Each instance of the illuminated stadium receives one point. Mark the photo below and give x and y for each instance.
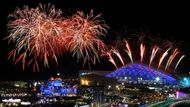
(144, 64)
(141, 74)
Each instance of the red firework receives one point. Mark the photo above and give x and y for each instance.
(43, 34)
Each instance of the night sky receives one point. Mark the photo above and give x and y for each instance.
(168, 20)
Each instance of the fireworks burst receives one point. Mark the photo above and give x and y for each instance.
(34, 31)
(43, 34)
(84, 42)
(153, 55)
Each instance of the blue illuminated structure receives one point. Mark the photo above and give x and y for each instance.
(57, 88)
(138, 73)
(184, 82)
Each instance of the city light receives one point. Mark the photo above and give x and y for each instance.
(82, 82)
(117, 86)
(109, 86)
(86, 82)
(177, 94)
(157, 79)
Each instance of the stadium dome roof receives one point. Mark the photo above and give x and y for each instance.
(136, 72)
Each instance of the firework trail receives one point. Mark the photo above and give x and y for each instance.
(142, 50)
(154, 51)
(116, 52)
(153, 55)
(171, 58)
(129, 51)
(179, 61)
(162, 57)
(111, 59)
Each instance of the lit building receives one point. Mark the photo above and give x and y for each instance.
(92, 86)
(56, 87)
